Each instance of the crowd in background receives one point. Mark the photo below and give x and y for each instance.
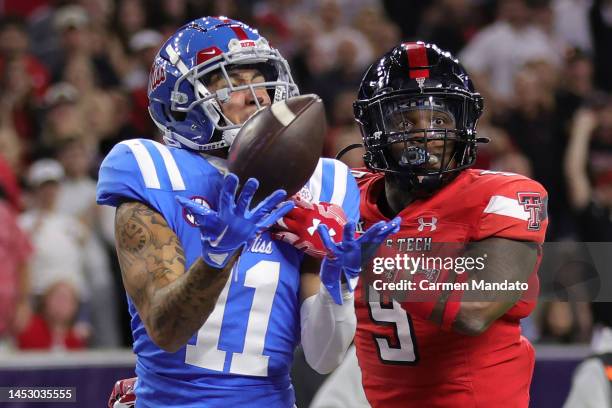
(73, 80)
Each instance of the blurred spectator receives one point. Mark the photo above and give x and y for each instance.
(287, 12)
(168, 15)
(600, 17)
(575, 87)
(333, 37)
(449, 24)
(307, 61)
(14, 46)
(9, 184)
(76, 39)
(529, 119)
(543, 17)
(114, 120)
(345, 74)
(130, 18)
(11, 146)
(19, 104)
(530, 122)
(21, 8)
(144, 46)
(76, 158)
(406, 14)
(592, 378)
(15, 250)
(383, 33)
(571, 23)
(100, 11)
(588, 169)
(63, 117)
(343, 131)
(557, 322)
(23, 81)
(277, 31)
(499, 154)
(53, 327)
(57, 238)
(496, 53)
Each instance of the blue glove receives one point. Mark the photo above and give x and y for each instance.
(347, 256)
(226, 230)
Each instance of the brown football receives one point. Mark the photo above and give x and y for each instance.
(280, 145)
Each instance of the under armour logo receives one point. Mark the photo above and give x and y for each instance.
(423, 223)
(315, 224)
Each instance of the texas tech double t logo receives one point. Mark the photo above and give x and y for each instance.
(532, 203)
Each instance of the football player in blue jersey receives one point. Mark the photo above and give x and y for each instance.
(218, 306)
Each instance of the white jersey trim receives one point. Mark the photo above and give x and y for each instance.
(340, 175)
(316, 182)
(173, 171)
(145, 163)
(508, 207)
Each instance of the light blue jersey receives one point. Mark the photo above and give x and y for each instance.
(242, 355)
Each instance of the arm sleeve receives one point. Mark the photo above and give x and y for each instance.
(327, 329)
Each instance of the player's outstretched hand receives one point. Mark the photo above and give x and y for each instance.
(299, 226)
(347, 257)
(233, 224)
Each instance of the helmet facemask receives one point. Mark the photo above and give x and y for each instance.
(423, 138)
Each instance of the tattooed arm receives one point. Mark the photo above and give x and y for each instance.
(172, 303)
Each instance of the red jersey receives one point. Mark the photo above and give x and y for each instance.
(410, 362)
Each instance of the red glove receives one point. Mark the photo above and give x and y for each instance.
(122, 395)
(299, 226)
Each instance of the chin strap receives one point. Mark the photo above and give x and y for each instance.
(347, 149)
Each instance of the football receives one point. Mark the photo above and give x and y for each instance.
(280, 145)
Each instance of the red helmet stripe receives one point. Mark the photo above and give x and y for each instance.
(417, 58)
(240, 33)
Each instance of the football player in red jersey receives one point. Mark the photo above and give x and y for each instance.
(417, 109)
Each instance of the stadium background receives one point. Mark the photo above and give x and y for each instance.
(73, 78)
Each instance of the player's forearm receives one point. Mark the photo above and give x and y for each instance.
(507, 260)
(178, 310)
(327, 329)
